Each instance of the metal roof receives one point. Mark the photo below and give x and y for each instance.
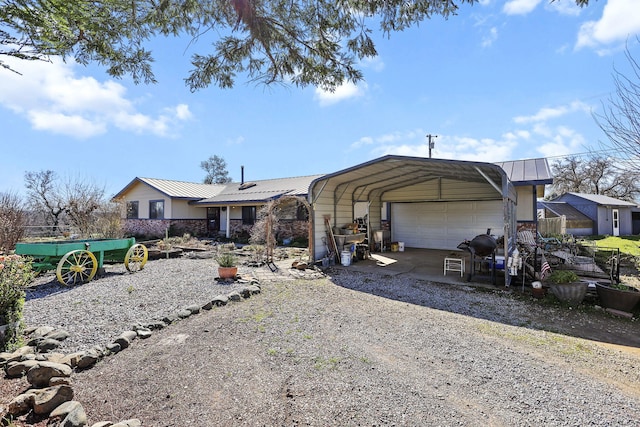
(528, 172)
(603, 200)
(262, 191)
(392, 172)
(563, 208)
(176, 189)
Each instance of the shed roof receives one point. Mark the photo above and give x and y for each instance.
(175, 189)
(563, 208)
(603, 200)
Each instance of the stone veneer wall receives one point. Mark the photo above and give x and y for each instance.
(157, 228)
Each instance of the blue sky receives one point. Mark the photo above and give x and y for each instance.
(502, 80)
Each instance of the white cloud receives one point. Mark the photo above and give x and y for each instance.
(54, 99)
(520, 7)
(564, 7)
(235, 141)
(544, 134)
(619, 21)
(548, 113)
(345, 91)
(376, 63)
(490, 37)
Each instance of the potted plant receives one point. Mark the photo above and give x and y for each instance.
(227, 265)
(567, 287)
(618, 296)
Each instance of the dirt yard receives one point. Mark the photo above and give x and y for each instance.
(362, 349)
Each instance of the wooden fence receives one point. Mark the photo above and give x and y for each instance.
(551, 226)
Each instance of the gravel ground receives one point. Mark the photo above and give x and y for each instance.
(349, 349)
(99, 311)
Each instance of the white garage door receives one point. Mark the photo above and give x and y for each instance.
(443, 225)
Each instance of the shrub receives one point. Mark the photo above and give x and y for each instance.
(12, 221)
(15, 274)
(226, 259)
(560, 277)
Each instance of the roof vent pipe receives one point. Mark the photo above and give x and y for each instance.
(241, 175)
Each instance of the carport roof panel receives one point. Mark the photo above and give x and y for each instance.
(390, 170)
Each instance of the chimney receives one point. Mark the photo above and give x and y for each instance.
(241, 175)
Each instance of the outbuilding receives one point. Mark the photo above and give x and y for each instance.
(424, 202)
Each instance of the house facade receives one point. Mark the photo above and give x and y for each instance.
(155, 207)
(425, 203)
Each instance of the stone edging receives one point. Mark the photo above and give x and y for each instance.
(51, 394)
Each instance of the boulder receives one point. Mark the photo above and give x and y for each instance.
(234, 296)
(47, 344)
(18, 369)
(57, 334)
(220, 300)
(125, 339)
(40, 374)
(70, 413)
(194, 309)
(21, 404)
(47, 399)
(134, 422)
(183, 313)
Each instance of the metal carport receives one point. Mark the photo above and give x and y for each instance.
(402, 179)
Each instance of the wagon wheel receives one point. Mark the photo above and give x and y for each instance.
(77, 266)
(136, 257)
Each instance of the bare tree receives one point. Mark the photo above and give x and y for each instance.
(76, 202)
(82, 200)
(43, 197)
(621, 118)
(594, 175)
(12, 221)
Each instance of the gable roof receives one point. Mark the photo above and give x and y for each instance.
(528, 171)
(175, 189)
(603, 200)
(262, 191)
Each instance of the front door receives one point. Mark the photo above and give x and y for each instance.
(213, 221)
(615, 215)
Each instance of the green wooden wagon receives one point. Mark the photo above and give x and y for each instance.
(77, 261)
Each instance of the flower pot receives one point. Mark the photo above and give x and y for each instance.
(571, 293)
(617, 299)
(538, 293)
(227, 272)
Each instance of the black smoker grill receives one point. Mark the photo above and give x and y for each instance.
(482, 246)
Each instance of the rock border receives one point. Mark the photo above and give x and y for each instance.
(49, 373)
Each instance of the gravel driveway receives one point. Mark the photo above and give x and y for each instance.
(352, 349)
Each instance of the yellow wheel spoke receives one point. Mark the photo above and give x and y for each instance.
(76, 267)
(136, 257)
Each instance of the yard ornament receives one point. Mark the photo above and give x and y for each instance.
(514, 263)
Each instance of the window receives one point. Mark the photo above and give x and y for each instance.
(248, 215)
(132, 210)
(156, 209)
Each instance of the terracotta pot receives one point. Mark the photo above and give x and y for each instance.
(538, 293)
(227, 272)
(617, 299)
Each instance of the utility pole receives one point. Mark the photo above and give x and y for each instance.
(431, 143)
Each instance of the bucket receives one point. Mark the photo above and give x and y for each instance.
(394, 246)
(346, 258)
(401, 246)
